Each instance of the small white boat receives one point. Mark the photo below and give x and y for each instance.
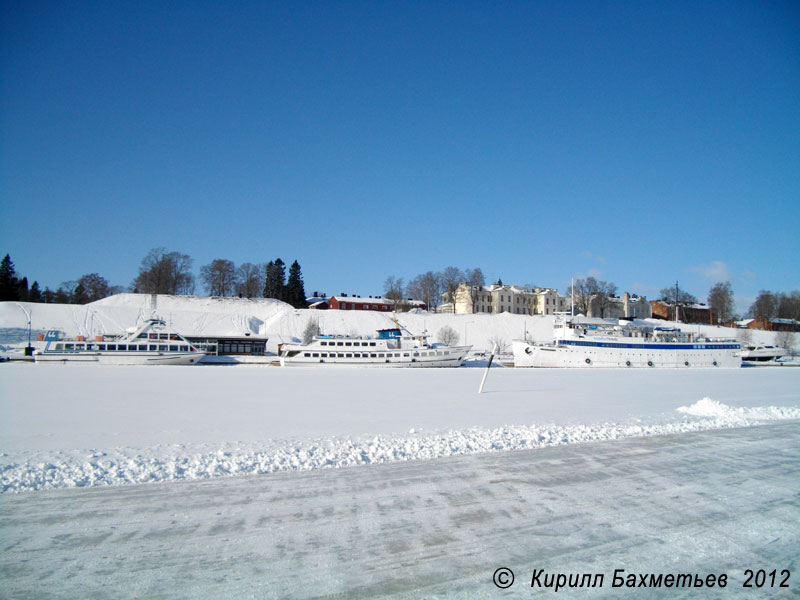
(601, 343)
(152, 343)
(762, 353)
(390, 349)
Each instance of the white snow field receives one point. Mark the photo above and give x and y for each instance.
(221, 482)
(252, 481)
(87, 425)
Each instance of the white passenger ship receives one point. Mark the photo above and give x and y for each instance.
(600, 343)
(152, 343)
(390, 349)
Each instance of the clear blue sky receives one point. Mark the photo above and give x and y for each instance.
(642, 142)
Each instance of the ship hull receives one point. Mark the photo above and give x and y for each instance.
(680, 356)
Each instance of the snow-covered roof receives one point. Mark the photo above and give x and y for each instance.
(364, 300)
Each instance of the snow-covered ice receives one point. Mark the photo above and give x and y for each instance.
(255, 481)
(85, 425)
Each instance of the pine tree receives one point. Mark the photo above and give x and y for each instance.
(23, 291)
(9, 286)
(35, 294)
(295, 292)
(275, 286)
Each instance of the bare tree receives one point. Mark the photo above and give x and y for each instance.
(475, 277)
(393, 290)
(94, 287)
(449, 280)
(592, 295)
(789, 305)
(677, 294)
(448, 336)
(786, 339)
(219, 276)
(312, 329)
(500, 343)
(426, 288)
(765, 306)
(720, 299)
(163, 272)
(250, 280)
(745, 336)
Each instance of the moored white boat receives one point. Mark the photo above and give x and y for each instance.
(600, 343)
(390, 349)
(152, 343)
(762, 353)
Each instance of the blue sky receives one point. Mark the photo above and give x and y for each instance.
(641, 142)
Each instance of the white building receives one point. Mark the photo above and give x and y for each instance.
(636, 307)
(506, 298)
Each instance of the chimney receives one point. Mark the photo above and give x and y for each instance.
(626, 303)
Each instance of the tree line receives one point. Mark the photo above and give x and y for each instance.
(87, 289)
(431, 287)
(169, 272)
(166, 272)
(777, 305)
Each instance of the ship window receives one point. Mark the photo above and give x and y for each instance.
(101, 347)
(184, 348)
(372, 343)
(406, 354)
(348, 343)
(315, 355)
(340, 343)
(306, 354)
(373, 355)
(349, 355)
(416, 353)
(173, 348)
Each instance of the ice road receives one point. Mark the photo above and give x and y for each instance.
(709, 502)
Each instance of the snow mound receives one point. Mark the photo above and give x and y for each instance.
(29, 471)
(717, 410)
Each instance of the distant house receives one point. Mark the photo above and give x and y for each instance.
(376, 303)
(773, 324)
(687, 312)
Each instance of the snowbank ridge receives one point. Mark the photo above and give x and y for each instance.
(182, 462)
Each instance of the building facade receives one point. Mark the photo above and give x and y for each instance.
(469, 299)
(375, 304)
(627, 307)
(687, 312)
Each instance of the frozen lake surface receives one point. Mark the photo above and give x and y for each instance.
(83, 425)
(648, 471)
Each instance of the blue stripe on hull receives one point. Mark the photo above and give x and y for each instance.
(582, 343)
